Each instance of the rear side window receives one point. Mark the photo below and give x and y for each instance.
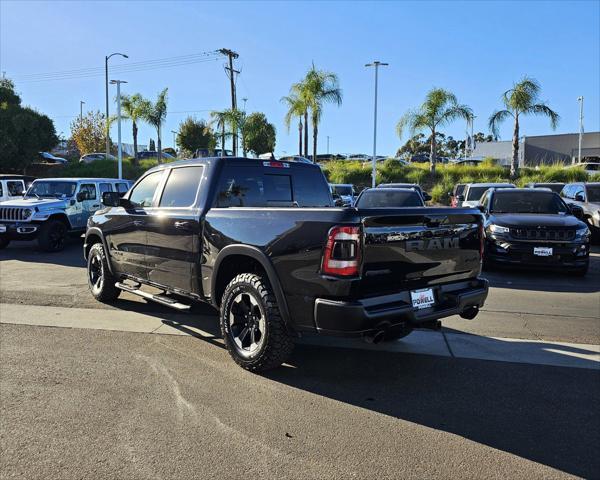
(242, 186)
(122, 187)
(105, 187)
(89, 189)
(143, 193)
(182, 187)
(14, 188)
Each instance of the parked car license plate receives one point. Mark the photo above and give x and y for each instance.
(542, 251)
(2, 228)
(422, 298)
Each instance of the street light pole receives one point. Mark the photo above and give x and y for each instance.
(119, 145)
(81, 102)
(580, 99)
(106, 85)
(174, 133)
(375, 64)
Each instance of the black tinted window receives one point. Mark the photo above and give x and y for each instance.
(382, 198)
(143, 193)
(89, 189)
(528, 202)
(181, 187)
(593, 193)
(250, 186)
(14, 188)
(105, 187)
(122, 187)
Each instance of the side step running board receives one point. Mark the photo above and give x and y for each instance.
(162, 299)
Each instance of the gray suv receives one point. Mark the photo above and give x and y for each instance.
(52, 208)
(587, 196)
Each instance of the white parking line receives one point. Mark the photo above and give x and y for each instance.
(469, 346)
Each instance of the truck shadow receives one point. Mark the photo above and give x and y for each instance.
(545, 414)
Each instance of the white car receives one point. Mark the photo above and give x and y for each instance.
(474, 191)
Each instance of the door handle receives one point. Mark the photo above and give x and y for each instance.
(183, 225)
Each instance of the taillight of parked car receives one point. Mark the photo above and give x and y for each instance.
(341, 257)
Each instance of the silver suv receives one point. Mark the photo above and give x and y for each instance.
(52, 208)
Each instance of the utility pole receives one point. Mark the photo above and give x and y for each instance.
(231, 73)
(81, 103)
(375, 64)
(119, 144)
(580, 99)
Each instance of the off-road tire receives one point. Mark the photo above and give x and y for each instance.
(277, 344)
(104, 290)
(52, 236)
(580, 272)
(4, 242)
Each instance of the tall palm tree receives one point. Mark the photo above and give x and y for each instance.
(317, 88)
(520, 100)
(234, 119)
(439, 108)
(219, 119)
(155, 115)
(296, 108)
(134, 108)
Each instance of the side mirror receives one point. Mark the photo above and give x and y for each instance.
(426, 196)
(577, 211)
(111, 199)
(460, 198)
(481, 208)
(579, 198)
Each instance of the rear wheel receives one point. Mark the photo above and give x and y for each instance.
(254, 332)
(4, 241)
(100, 280)
(52, 236)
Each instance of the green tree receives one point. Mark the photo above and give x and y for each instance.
(219, 119)
(317, 88)
(259, 135)
(155, 115)
(521, 100)
(194, 134)
(440, 108)
(135, 108)
(228, 118)
(23, 131)
(296, 107)
(88, 132)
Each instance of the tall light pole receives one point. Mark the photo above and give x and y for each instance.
(174, 134)
(375, 64)
(106, 85)
(580, 100)
(119, 145)
(81, 103)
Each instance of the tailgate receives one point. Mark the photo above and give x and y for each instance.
(418, 247)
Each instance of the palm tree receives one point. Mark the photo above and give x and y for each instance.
(135, 108)
(439, 108)
(155, 115)
(296, 108)
(219, 119)
(522, 99)
(317, 88)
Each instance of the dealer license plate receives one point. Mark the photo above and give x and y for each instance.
(2, 228)
(422, 298)
(542, 251)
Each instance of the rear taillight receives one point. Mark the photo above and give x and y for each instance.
(341, 257)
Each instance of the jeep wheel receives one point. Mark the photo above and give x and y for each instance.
(4, 241)
(100, 280)
(254, 332)
(52, 236)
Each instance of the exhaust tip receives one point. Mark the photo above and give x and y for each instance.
(469, 313)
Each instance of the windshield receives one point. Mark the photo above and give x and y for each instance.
(377, 198)
(51, 189)
(342, 189)
(593, 193)
(528, 202)
(475, 193)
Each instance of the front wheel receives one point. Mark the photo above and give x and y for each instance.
(254, 332)
(52, 236)
(100, 280)
(4, 241)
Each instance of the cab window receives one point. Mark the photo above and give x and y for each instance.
(181, 187)
(89, 190)
(143, 193)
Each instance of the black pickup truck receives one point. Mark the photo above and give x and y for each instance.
(263, 242)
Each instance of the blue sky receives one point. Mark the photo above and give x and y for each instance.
(475, 49)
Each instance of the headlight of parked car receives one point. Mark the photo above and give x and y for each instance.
(582, 232)
(27, 213)
(498, 229)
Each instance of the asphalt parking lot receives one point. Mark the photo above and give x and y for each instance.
(114, 397)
